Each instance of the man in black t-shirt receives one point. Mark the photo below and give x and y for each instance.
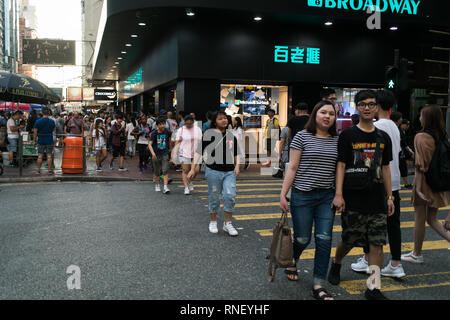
(363, 191)
(298, 121)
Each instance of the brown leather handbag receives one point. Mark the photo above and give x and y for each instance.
(281, 249)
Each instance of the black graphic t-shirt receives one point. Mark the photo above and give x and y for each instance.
(356, 149)
(160, 142)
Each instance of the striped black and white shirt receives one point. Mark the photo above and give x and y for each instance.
(317, 168)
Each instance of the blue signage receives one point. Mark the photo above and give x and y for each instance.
(299, 55)
(394, 6)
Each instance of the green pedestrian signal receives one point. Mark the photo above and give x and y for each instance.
(391, 78)
(391, 84)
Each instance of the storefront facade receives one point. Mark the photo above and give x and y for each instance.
(222, 58)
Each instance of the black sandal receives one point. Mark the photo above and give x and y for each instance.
(291, 273)
(316, 294)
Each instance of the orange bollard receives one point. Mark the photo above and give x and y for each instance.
(72, 161)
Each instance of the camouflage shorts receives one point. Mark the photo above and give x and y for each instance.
(362, 229)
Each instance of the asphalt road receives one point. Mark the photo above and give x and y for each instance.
(132, 243)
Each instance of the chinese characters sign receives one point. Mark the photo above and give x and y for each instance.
(286, 54)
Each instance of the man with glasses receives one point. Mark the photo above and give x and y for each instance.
(364, 192)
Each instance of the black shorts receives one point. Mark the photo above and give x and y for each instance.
(403, 168)
(118, 150)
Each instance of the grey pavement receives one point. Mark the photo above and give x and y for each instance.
(129, 243)
(132, 243)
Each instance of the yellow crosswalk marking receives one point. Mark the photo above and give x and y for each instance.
(406, 247)
(276, 195)
(240, 184)
(337, 228)
(429, 280)
(239, 190)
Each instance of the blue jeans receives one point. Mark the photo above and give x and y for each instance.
(220, 182)
(306, 208)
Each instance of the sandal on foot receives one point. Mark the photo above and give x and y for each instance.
(316, 294)
(291, 273)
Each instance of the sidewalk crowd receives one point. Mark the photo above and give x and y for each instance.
(357, 173)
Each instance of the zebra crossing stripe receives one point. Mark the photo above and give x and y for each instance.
(336, 228)
(308, 254)
(416, 281)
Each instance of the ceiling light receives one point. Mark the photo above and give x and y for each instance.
(123, 52)
(328, 23)
(128, 45)
(134, 35)
(394, 28)
(119, 58)
(117, 62)
(257, 18)
(190, 13)
(142, 24)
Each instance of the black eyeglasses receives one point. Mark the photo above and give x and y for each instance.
(363, 105)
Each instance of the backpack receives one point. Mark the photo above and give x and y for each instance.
(281, 249)
(438, 174)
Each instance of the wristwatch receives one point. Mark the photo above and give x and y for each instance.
(391, 198)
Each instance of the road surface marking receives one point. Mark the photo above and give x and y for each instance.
(337, 228)
(406, 247)
(428, 280)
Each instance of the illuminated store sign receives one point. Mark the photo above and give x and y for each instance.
(394, 6)
(284, 54)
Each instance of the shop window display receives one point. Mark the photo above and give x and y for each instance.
(251, 101)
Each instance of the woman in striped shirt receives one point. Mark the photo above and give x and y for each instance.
(312, 174)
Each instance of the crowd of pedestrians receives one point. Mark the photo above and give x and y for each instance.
(357, 173)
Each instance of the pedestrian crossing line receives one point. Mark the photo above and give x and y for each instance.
(277, 195)
(417, 281)
(239, 190)
(277, 204)
(264, 216)
(308, 254)
(337, 228)
(238, 184)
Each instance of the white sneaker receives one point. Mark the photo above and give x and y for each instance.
(157, 188)
(213, 227)
(191, 186)
(166, 189)
(361, 265)
(228, 227)
(410, 257)
(394, 272)
(186, 191)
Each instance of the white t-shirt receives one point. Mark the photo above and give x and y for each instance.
(101, 138)
(391, 129)
(12, 135)
(129, 129)
(190, 139)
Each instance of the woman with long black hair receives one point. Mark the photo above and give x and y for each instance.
(220, 148)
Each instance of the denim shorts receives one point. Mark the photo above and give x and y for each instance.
(12, 147)
(45, 149)
(221, 183)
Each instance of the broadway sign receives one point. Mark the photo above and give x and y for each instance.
(395, 6)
